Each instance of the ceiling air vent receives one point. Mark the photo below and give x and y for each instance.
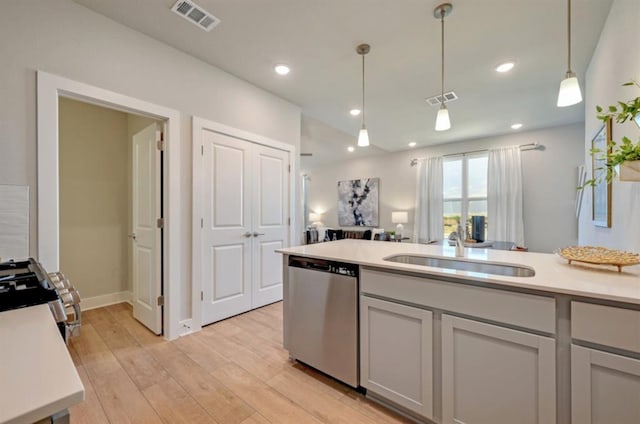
(195, 14)
(436, 100)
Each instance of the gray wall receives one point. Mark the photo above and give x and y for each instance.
(550, 180)
(64, 38)
(615, 61)
(94, 200)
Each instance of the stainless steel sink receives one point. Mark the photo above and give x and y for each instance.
(464, 265)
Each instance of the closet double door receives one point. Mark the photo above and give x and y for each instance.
(245, 219)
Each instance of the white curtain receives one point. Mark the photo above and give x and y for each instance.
(504, 195)
(429, 223)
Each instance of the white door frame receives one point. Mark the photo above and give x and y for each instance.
(49, 88)
(197, 125)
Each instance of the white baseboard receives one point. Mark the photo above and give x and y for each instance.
(105, 300)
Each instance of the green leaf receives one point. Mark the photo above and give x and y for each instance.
(599, 109)
(628, 83)
(613, 109)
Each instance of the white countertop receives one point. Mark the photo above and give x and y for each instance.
(553, 273)
(37, 375)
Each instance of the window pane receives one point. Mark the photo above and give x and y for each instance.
(452, 212)
(477, 177)
(452, 178)
(478, 207)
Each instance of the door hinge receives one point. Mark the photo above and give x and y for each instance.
(160, 300)
(201, 296)
(202, 150)
(289, 168)
(201, 222)
(160, 223)
(288, 221)
(160, 141)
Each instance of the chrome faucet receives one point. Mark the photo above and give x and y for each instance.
(460, 237)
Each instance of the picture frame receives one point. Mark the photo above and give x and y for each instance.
(358, 202)
(582, 177)
(601, 191)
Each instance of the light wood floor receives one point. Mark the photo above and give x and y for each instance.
(234, 371)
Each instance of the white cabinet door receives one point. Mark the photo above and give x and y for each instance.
(495, 375)
(605, 388)
(396, 353)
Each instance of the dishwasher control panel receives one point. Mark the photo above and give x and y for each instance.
(343, 270)
(322, 265)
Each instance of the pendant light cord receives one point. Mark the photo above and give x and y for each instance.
(442, 57)
(569, 35)
(363, 91)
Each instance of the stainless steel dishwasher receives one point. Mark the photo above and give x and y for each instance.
(321, 316)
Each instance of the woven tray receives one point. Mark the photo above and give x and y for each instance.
(599, 256)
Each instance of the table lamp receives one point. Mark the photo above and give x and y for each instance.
(399, 218)
(314, 218)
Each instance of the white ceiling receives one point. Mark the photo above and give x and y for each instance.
(317, 38)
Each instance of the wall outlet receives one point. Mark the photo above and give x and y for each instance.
(186, 327)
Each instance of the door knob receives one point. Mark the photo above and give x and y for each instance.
(257, 234)
(247, 234)
(132, 236)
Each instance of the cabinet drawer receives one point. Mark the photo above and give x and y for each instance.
(606, 325)
(523, 310)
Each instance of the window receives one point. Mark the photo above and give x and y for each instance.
(464, 190)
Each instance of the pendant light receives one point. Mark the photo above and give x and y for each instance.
(442, 120)
(569, 87)
(363, 136)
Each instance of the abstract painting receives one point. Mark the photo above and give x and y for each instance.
(358, 202)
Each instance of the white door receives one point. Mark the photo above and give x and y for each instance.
(227, 232)
(245, 218)
(270, 227)
(146, 236)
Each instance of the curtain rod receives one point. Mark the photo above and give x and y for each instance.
(524, 147)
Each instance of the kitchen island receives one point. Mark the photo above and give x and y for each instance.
(454, 346)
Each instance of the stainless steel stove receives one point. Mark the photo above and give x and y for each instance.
(26, 283)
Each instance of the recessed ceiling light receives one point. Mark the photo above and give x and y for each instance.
(516, 126)
(412, 144)
(282, 69)
(505, 67)
(350, 148)
(354, 112)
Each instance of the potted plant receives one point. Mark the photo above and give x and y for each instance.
(625, 154)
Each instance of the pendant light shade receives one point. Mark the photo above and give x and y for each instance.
(569, 93)
(442, 120)
(363, 136)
